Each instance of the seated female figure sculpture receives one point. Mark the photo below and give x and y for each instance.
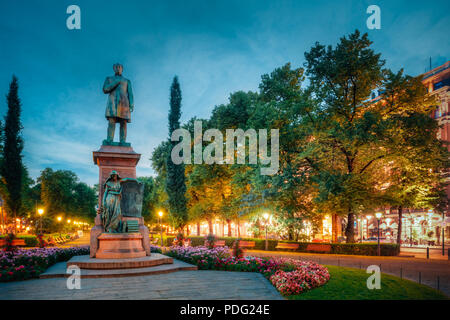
(111, 213)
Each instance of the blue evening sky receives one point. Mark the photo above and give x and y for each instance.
(215, 47)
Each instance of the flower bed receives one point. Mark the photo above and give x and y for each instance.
(155, 249)
(289, 276)
(30, 263)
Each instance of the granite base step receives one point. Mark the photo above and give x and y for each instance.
(59, 271)
(85, 262)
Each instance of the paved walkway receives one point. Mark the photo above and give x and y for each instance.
(424, 271)
(82, 241)
(417, 252)
(189, 285)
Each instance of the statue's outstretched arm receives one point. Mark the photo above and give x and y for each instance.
(110, 84)
(130, 96)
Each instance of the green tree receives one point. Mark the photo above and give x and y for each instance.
(11, 166)
(150, 198)
(63, 194)
(417, 157)
(345, 130)
(284, 105)
(175, 183)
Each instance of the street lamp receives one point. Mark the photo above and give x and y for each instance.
(40, 212)
(266, 218)
(160, 214)
(59, 227)
(443, 233)
(3, 219)
(378, 216)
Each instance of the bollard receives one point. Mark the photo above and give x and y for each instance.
(420, 277)
(401, 273)
(339, 263)
(428, 253)
(448, 254)
(438, 283)
(360, 265)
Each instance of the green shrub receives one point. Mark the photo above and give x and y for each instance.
(366, 249)
(30, 240)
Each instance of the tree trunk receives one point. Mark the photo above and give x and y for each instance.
(187, 230)
(229, 227)
(210, 226)
(350, 229)
(15, 223)
(438, 236)
(238, 229)
(290, 234)
(399, 228)
(334, 231)
(198, 228)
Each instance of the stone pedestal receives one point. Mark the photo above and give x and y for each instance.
(97, 233)
(123, 159)
(120, 246)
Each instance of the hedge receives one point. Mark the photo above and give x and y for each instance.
(30, 240)
(366, 249)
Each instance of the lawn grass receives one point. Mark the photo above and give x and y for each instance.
(350, 284)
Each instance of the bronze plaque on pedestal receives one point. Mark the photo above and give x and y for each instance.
(132, 196)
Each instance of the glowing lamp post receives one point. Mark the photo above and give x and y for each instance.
(160, 214)
(59, 227)
(40, 212)
(378, 216)
(266, 218)
(3, 219)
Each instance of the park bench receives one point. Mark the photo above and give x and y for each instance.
(287, 246)
(220, 243)
(15, 242)
(51, 241)
(246, 244)
(316, 247)
(59, 240)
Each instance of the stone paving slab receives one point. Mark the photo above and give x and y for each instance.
(188, 285)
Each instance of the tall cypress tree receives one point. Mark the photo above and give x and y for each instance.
(12, 168)
(175, 183)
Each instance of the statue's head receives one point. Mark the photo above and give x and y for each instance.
(118, 68)
(114, 176)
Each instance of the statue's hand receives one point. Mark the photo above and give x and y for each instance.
(131, 108)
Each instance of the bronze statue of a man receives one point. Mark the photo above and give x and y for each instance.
(120, 104)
